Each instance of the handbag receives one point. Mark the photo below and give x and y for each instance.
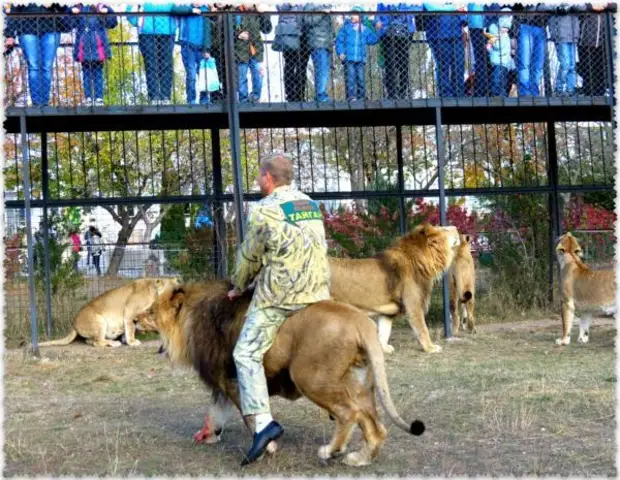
(208, 79)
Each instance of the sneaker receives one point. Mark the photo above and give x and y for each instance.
(88, 102)
(273, 431)
(99, 102)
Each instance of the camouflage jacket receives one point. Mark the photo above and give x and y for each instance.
(285, 245)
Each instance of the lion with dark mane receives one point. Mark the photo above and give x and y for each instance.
(328, 352)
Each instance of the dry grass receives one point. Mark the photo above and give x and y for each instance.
(503, 402)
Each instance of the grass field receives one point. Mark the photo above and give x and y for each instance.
(503, 402)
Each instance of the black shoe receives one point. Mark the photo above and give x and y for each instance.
(273, 431)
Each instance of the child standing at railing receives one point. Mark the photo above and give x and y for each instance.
(92, 47)
(500, 54)
(351, 42)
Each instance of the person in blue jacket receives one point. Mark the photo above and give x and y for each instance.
(156, 43)
(444, 36)
(351, 42)
(91, 47)
(196, 41)
(396, 31)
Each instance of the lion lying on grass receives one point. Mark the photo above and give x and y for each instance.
(590, 291)
(112, 314)
(328, 352)
(399, 280)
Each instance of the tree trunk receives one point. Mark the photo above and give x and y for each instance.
(119, 250)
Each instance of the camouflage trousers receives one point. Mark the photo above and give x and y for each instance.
(256, 337)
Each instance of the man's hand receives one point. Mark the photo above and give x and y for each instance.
(244, 36)
(75, 10)
(234, 293)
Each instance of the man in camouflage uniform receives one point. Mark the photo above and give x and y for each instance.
(286, 251)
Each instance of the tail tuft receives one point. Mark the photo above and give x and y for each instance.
(467, 296)
(417, 428)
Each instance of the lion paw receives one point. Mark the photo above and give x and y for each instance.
(356, 459)
(115, 343)
(325, 452)
(135, 343)
(562, 341)
(434, 349)
(388, 349)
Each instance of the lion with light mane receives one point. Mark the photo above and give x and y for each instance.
(463, 286)
(398, 280)
(588, 291)
(328, 352)
(115, 313)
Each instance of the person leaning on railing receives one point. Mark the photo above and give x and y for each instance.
(444, 36)
(592, 63)
(293, 44)
(156, 43)
(196, 41)
(249, 50)
(564, 31)
(353, 37)
(91, 47)
(500, 54)
(396, 32)
(39, 38)
(319, 29)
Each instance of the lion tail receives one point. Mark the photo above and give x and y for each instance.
(370, 343)
(63, 341)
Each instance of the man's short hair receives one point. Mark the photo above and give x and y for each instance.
(280, 167)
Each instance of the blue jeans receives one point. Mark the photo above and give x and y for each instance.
(499, 80)
(191, 57)
(320, 61)
(567, 70)
(257, 81)
(530, 58)
(40, 52)
(354, 72)
(92, 76)
(157, 51)
(449, 57)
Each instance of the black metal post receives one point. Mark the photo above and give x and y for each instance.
(401, 179)
(219, 230)
(46, 237)
(610, 58)
(441, 162)
(233, 125)
(555, 222)
(29, 241)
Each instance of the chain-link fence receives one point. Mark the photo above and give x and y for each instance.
(95, 56)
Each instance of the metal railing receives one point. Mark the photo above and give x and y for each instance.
(127, 59)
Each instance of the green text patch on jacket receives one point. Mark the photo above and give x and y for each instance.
(300, 210)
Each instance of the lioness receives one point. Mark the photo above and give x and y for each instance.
(110, 315)
(399, 280)
(463, 286)
(590, 291)
(328, 352)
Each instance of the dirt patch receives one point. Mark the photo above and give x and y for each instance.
(498, 403)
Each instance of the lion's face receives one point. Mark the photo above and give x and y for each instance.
(447, 237)
(161, 284)
(165, 312)
(567, 249)
(146, 321)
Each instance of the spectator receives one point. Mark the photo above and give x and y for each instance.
(87, 240)
(76, 248)
(444, 36)
(156, 43)
(92, 47)
(39, 38)
(218, 46)
(500, 54)
(196, 42)
(249, 50)
(564, 31)
(319, 29)
(475, 26)
(293, 44)
(592, 50)
(531, 41)
(396, 31)
(351, 43)
(97, 247)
